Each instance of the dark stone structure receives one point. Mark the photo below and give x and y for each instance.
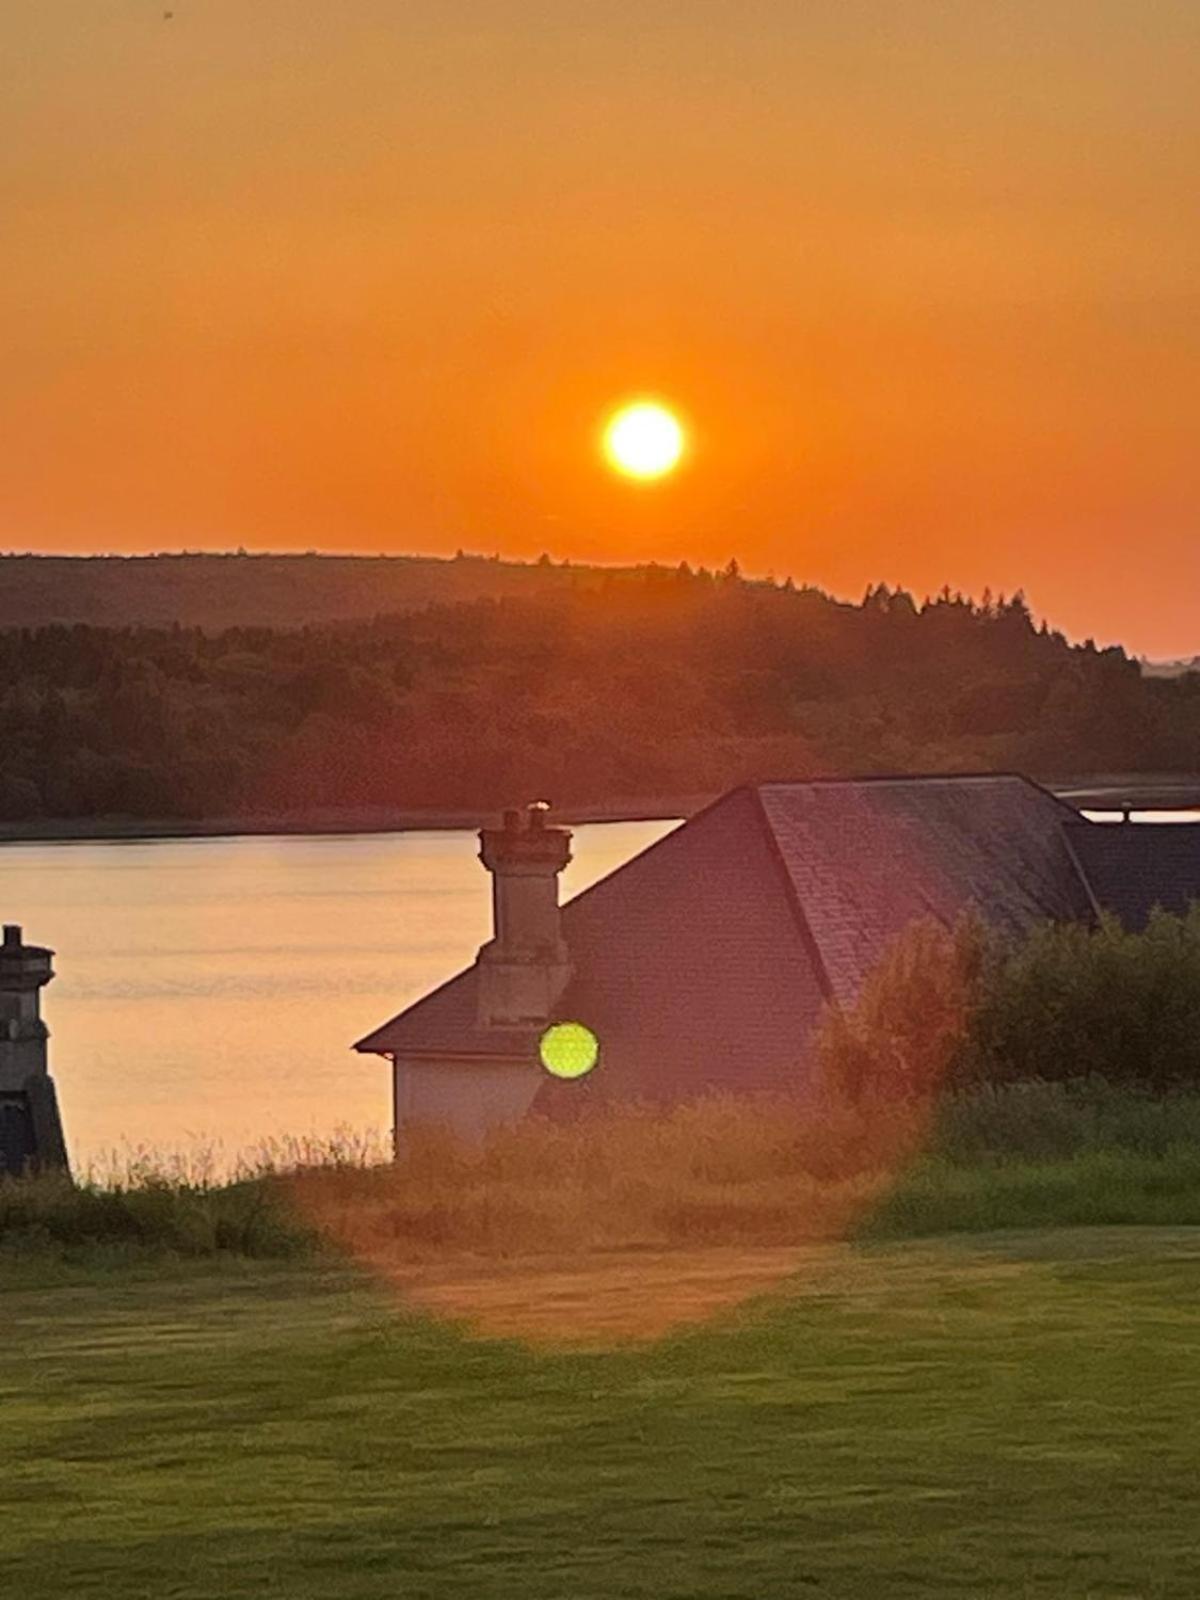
(31, 1135)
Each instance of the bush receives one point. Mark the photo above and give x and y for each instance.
(1071, 1001)
(152, 1214)
(909, 1026)
(968, 1007)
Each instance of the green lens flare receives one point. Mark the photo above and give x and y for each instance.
(569, 1050)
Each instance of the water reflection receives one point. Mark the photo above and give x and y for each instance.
(1144, 816)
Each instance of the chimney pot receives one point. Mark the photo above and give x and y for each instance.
(12, 936)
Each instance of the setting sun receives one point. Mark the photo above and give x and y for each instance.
(643, 440)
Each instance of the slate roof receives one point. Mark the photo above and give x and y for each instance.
(865, 858)
(705, 961)
(1134, 866)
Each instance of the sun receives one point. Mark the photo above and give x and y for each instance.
(644, 440)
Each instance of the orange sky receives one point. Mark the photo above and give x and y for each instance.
(365, 275)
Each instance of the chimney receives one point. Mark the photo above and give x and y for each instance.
(524, 967)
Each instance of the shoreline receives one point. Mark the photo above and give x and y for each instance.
(1098, 792)
(100, 830)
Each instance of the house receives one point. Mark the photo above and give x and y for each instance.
(705, 962)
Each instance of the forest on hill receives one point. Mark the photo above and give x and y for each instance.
(659, 682)
(238, 589)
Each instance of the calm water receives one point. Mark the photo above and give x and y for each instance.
(208, 990)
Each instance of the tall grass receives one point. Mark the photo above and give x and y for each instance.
(718, 1172)
(1095, 1188)
(1039, 1121)
(135, 1202)
(49, 1215)
(1077, 1153)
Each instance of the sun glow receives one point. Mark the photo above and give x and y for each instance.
(644, 440)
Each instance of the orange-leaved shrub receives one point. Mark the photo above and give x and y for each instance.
(909, 1026)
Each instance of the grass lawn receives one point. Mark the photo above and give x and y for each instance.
(1009, 1415)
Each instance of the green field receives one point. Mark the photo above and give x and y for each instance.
(1002, 1415)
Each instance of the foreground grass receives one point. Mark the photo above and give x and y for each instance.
(974, 1418)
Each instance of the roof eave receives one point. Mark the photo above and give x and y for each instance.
(520, 1055)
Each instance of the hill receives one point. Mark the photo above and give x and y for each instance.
(274, 591)
(603, 686)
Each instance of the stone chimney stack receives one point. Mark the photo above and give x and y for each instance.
(524, 967)
(31, 1133)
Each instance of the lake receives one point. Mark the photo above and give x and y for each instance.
(209, 990)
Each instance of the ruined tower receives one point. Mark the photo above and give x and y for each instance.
(31, 1135)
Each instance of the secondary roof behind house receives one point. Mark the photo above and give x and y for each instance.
(1134, 866)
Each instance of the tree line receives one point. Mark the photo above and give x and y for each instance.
(653, 683)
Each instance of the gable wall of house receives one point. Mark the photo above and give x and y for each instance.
(467, 1096)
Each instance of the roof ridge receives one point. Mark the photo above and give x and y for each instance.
(912, 779)
(657, 844)
(831, 780)
(1064, 828)
(795, 905)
